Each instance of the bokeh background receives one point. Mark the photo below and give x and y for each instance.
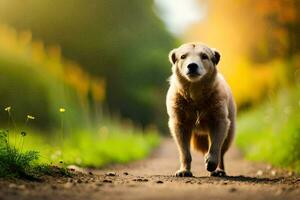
(105, 63)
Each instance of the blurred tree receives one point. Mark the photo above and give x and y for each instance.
(258, 41)
(280, 35)
(37, 80)
(121, 40)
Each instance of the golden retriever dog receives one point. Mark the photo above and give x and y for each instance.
(200, 106)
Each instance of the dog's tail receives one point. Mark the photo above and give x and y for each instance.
(200, 142)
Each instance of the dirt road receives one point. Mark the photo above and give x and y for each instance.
(153, 179)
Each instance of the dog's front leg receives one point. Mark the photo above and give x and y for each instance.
(218, 129)
(182, 135)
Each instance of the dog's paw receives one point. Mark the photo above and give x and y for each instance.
(183, 173)
(211, 163)
(218, 173)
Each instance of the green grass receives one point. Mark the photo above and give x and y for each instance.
(271, 132)
(36, 153)
(14, 162)
(94, 148)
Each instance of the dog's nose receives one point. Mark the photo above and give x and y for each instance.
(192, 67)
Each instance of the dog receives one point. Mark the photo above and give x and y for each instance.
(200, 107)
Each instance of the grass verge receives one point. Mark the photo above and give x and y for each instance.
(40, 153)
(94, 148)
(271, 132)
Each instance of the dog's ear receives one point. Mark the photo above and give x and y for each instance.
(216, 57)
(172, 56)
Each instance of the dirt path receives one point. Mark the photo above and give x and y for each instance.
(153, 179)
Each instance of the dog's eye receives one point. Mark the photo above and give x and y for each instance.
(203, 56)
(183, 56)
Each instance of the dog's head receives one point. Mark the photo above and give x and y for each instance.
(193, 61)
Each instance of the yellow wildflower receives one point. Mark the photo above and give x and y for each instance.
(7, 109)
(30, 117)
(62, 110)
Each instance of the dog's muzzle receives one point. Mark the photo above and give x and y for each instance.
(193, 69)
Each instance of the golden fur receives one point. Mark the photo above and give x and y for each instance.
(201, 108)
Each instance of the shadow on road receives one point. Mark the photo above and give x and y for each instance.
(250, 179)
(240, 178)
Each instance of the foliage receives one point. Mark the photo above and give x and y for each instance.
(37, 76)
(121, 41)
(271, 132)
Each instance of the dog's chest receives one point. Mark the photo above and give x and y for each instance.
(200, 110)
